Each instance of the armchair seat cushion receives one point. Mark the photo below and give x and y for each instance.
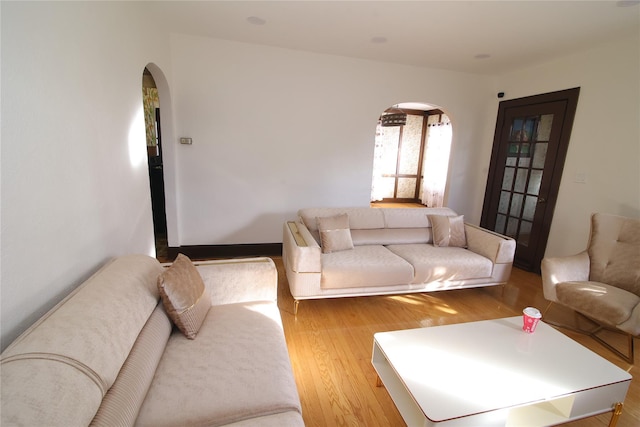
(604, 303)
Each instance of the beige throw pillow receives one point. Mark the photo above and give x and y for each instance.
(448, 230)
(335, 234)
(184, 295)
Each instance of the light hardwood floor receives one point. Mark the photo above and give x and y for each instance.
(330, 343)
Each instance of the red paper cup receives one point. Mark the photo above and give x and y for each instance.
(530, 318)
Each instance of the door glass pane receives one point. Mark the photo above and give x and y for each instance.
(410, 152)
(511, 161)
(507, 181)
(516, 205)
(544, 127)
(514, 149)
(528, 128)
(503, 207)
(516, 130)
(521, 180)
(406, 188)
(534, 182)
(529, 208)
(523, 162)
(512, 227)
(500, 223)
(540, 155)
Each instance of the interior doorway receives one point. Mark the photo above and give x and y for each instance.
(151, 103)
(529, 148)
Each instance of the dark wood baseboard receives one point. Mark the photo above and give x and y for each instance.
(196, 252)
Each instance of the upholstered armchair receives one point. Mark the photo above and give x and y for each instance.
(601, 283)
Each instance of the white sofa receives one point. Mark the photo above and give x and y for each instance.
(108, 355)
(393, 253)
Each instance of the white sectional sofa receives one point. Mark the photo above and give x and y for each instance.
(392, 252)
(108, 354)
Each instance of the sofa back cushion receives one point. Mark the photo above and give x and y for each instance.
(379, 226)
(412, 217)
(78, 347)
(391, 236)
(359, 218)
(614, 251)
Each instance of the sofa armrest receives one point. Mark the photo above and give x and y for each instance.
(498, 248)
(301, 252)
(240, 280)
(554, 270)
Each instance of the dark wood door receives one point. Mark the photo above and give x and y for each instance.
(529, 148)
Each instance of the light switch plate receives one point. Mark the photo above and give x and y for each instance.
(187, 141)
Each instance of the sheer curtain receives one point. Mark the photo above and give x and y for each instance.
(376, 180)
(436, 161)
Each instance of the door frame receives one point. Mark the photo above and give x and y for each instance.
(570, 96)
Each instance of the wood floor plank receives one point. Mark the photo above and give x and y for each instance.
(330, 343)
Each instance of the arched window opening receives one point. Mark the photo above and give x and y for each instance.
(411, 160)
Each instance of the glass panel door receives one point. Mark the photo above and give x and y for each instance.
(530, 145)
(524, 162)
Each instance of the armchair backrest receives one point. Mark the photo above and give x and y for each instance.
(614, 251)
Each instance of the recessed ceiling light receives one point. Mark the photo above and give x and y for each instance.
(255, 20)
(482, 56)
(627, 3)
(379, 40)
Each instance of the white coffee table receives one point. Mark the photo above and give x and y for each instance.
(492, 373)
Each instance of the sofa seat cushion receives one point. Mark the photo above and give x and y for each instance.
(237, 368)
(433, 263)
(604, 303)
(369, 265)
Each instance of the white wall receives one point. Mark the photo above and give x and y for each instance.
(605, 141)
(277, 130)
(75, 188)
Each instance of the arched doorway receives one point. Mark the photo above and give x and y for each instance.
(151, 104)
(411, 155)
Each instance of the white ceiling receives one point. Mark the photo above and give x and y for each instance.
(487, 37)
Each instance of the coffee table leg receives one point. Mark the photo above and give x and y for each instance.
(617, 411)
